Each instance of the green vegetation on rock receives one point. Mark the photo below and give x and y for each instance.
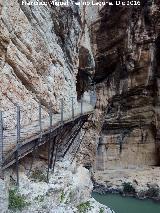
(84, 207)
(38, 175)
(62, 197)
(101, 210)
(128, 188)
(16, 201)
(153, 192)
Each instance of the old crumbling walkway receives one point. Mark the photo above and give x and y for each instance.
(18, 142)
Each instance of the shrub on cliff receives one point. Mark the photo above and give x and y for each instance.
(128, 188)
(37, 175)
(153, 192)
(101, 210)
(62, 197)
(16, 201)
(84, 207)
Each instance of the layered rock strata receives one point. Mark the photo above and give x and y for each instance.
(126, 50)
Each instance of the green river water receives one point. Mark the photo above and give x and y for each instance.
(127, 204)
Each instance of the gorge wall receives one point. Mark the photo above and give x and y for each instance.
(45, 55)
(126, 50)
(42, 63)
(48, 53)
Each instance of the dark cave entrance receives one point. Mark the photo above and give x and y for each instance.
(84, 76)
(82, 84)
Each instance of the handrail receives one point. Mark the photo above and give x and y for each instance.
(25, 133)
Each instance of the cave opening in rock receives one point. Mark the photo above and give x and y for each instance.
(84, 76)
(82, 82)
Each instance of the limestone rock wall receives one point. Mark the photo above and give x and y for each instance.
(39, 57)
(126, 46)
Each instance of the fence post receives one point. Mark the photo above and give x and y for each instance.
(62, 110)
(90, 97)
(40, 118)
(81, 106)
(18, 142)
(72, 107)
(49, 144)
(1, 134)
(93, 96)
(50, 115)
(40, 121)
(18, 124)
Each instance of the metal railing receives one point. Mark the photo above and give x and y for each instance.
(13, 137)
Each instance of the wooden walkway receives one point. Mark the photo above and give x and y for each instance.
(36, 134)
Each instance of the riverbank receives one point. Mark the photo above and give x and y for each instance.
(138, 182)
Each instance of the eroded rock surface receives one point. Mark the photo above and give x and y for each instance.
(40, 58)
(69, 186)
(126, 50)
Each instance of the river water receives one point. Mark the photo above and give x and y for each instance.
(127, 204)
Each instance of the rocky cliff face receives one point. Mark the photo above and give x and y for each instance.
(41, 57)
(45, 55)
(126, 47)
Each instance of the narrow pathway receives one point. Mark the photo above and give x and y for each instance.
(31, 132)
